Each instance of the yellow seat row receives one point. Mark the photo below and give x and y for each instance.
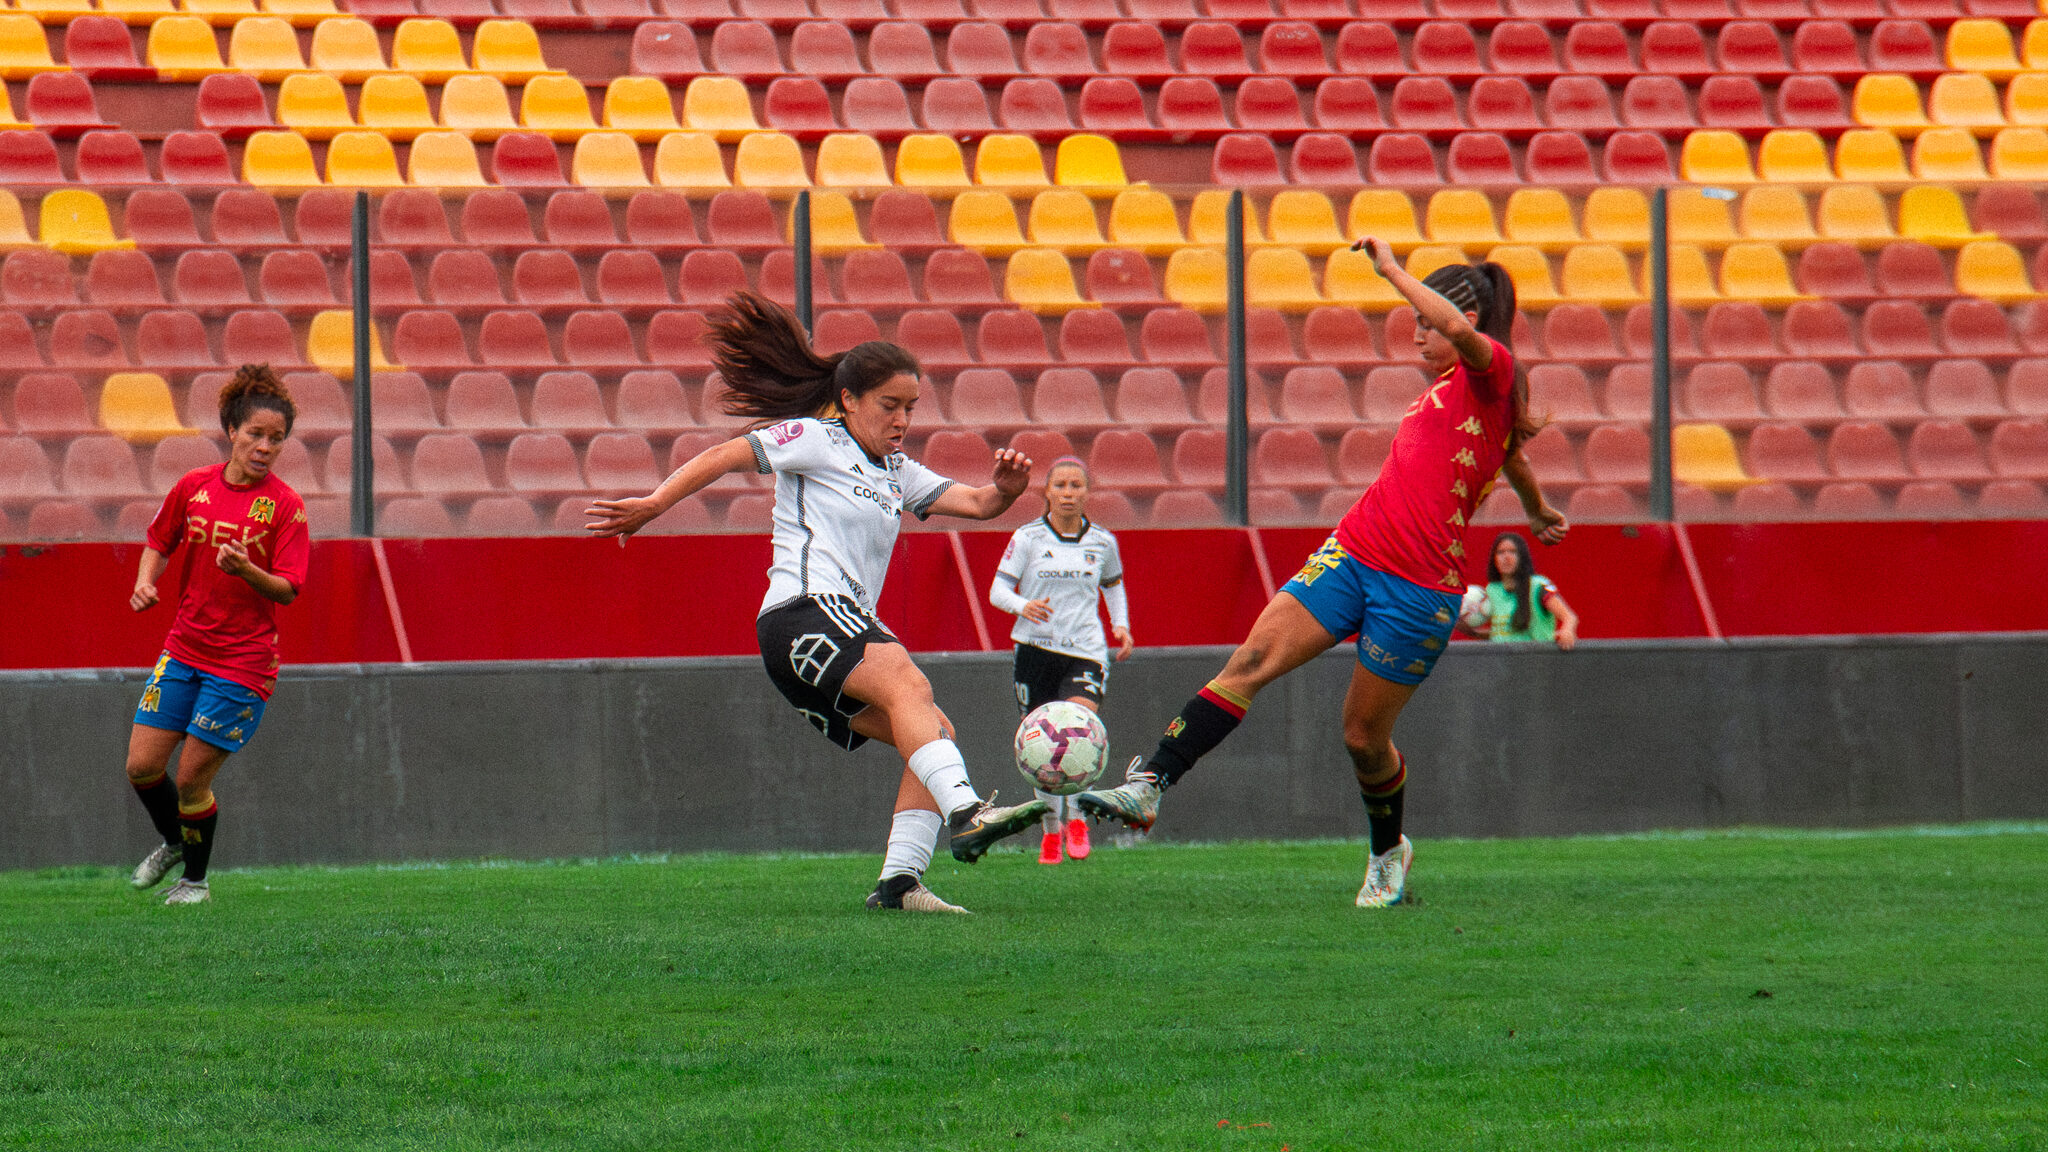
(73, 221)
(185, 48)
(1955, 100)
(1986, 46)
(222, 12)
(395, 104)
(1864, 155)
(769, 161)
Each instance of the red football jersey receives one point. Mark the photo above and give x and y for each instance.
(223, 625)
(1446, 454)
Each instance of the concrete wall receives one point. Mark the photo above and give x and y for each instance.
(538, 760)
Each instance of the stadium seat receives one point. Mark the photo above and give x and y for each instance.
(2019, 449)
(1243, 159)
(1064, 219)
(675, 337)
(1347, 104)
(1962, 389)
(34, 278)
(1945, 450)
(1195, 278)
(688, 160)
(1316, 395)
(607, 160)
(51, 404)
(1865, 450)
(362, 159)
(1579, 332)
(483, 404)
(766, 160)
(1152, 396)
(660, 220)
(1175, 336)
(1041, 280)
(1657, 104)
(1976, 328)
(1947, 154)
(959, 277)
(1112, 104)
(1637, 158)
(1389, 391)
(123, 279)
(347, 49)
(849, 160)
(232, 104)
(183, 49)
(289, 279)
(1720, 390)
(101, 467)
(75, 222)
(464, 278)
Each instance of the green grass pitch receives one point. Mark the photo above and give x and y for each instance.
(1750, 991)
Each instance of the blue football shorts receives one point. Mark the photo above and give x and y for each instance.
(1402, 627)
(181, 698)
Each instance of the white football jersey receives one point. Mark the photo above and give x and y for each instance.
(837, 509)
(1070, 573)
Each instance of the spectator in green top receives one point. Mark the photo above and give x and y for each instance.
(1518, 604)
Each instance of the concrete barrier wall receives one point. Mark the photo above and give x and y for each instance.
(575, 759)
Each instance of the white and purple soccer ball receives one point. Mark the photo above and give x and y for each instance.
(1062, 747)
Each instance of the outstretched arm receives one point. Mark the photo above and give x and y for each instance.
(1013, 472)
(1546, 523)
(1473, 346)
(622, 518)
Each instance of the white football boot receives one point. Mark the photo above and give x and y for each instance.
(1386, 877)
(188, 892)
(151, 871)
(916, 898)
(1135, 802)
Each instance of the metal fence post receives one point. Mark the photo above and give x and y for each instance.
(362, 489)
(802, 228)
(1237, 437)
(1660, 356)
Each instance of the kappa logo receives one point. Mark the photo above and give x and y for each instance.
(201, 497)
(262, 509)
(234, 734)
(810, 655)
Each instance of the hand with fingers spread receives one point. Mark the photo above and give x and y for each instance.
(620, 518)
(1013, 472)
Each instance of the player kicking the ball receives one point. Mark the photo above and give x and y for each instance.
(1392, 572)
(833, 439)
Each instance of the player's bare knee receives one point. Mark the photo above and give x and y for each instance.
(142, 769)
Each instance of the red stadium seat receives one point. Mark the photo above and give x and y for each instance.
(652, 400)
(1559, 158)
(464, 277)
(568, 401)
(1360, 456)
(514, 339)
(1602, 503)
(901, 48)
(497, 218)
(1337, 336)
(1521, 46)
(122, 279)
(957, 104)
(1213, 48)
(1976, 328)
(101, 466)
(51, 403)
(542, 462)
(1480, 158)
(1119, 275)
(743, 218)
(1325, 158)
(1904, 46)
(2010, 210)
(660, 220)
(1291, 47)
(903, 218)
(1910, 268)
(620, 462)
(1784, 452)
(1580, 104)
(1598, 48)
(1198, 457)
(1738, 330)
(798, 104)
(526, 160)
(443, 462)
(1826, 47)
(1424, 104)
(1192, 104)
(2019, 448)
(823, 48)
(482, 403)
(958, 454)
(87, 339)
(1579, 332)
(37, 278)
(1348, 103)
(933, 336)
(1637, 158)
(1562, 392)
(840, 329)
(1069, 396)
(1962, 389)
(1316, 395)
(1093, 336)
(1175, 336)
(1034, 104)
(1113, 104)
(1152, 396)
(1290, 456)
(1135, 49)
(102, 47)
(25, 468)
(1721, 391)
(1735, 103)
(1056, 48)
(1865, 450)
(1267, 337)
(579, 219)
(1446, 48)
(1269, 104)
(429, 339)
(978, 48)
(260, 336)
(744, 48)
(1812, 102)
(1368, 47)
(158, 217)
(676, 337)
(547, 278)
(165, 340)
(1182, 508)
(632, 279)
(400, 404)
(290, 279)
(876, 104)
(1503, 104)
(1618, 454)
(1945, 450)
(1212, 398)
(1897, 328)
(1390, 391)
(710, 275)
(1819, 328)
(599, 339)
(1552, 458)
(959, 276)
(1243, 159)
(1625, 395)
(1123, 458)
(115, 158)
(1012, 337)
(191, 158)
(1657, 104)
(1831, 268)
(413, 217)
(1402, 159)
(1801, 390)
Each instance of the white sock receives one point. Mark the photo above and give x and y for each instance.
(939, 767)
(911, 836)
(1054, 807)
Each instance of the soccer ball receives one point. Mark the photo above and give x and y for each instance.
(1062, 747)
(1475, 613)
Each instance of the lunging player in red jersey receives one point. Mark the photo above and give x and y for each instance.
(248, 554)
(1393, 570)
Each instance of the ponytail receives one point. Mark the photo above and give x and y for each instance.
(771, 372)
(254, 388)
(1486, 288)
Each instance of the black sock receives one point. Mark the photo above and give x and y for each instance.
(160, 800)
(1383, 809)
(197, 830)
(1203, 722)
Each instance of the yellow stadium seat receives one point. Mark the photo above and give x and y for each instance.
(851, 160)
(1793, 156)
(443, 160)
(557, 106)
(221, 12)
(313, 105)
(1385, 214)
(1855, 214)
(7, 117)
(137, 407)
(1145, 219)
(76, 222)
(1982, 46)
(640, 105)
(13, 225)
(985, 220)
(141, 12)
(1965, 100)
(1529, 268)
(477, 107)
(719, 104)
(1714, 156)
(1777, 214)
(266, 47)
(1870, 155)
(1461, 216)
(1700, 219)
(1947, 154)
(690, 160)
(930, 160)
(2020, 154)
(1304, 218)
(429, 49)
(362, 159)
(183, 49)
(834, 225)
(1350, 279)
(1619, 216)
(331, 345)
(1428, 258)
(1887, 100)
(278, 160)
(2034, 46)
(1993, 270)
(348, 49)
(24, 47)
(1280, 278)
(2026, 98)
(396, 105)
(769, 160)
(509, 50)
(1085, 160)
(1064, 218)
(301, 13)
(607, 160)
(1704, 455)
(1599, 274)
(1041, 280)
(1753, 271)
(1542, 217)
(1009, 160)
(64, 11)
(1691, 282)
(1209, 219)
(1197, 278)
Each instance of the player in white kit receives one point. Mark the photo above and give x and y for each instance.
(1051, 574)
(831, 433)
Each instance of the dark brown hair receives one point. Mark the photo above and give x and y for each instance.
(771, 372)
(255, 387)
(1524, 574)
(1486, 288)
